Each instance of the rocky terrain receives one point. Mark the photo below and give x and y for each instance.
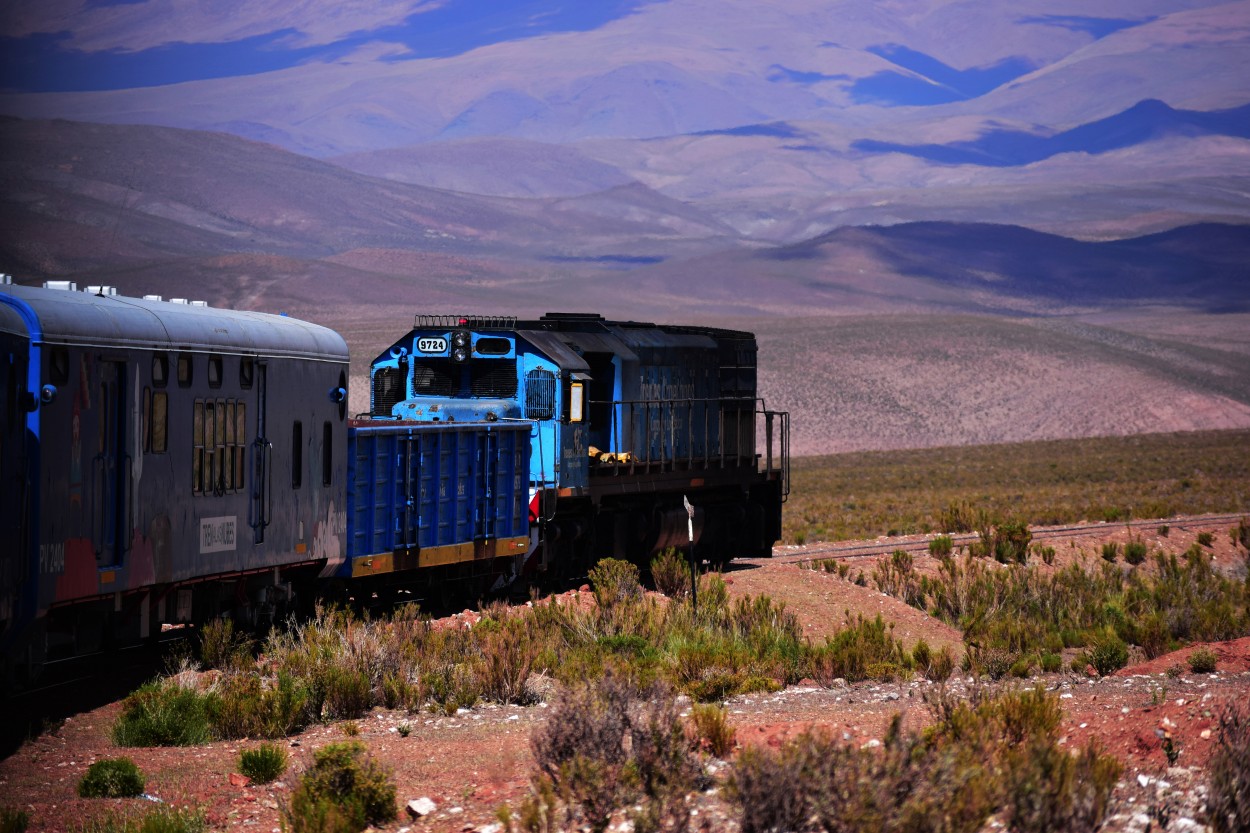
(470, 763)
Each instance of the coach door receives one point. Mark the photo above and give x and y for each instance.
(261, 508)
(111, 468)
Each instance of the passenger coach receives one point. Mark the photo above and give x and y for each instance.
(161, 462)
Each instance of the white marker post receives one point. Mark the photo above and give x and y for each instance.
(694, 567)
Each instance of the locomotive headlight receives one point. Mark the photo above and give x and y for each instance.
(461, 346)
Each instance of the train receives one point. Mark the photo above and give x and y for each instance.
(166, 463)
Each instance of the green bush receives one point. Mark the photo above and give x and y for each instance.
(1011, 542)
(614, 582)
(1164, 530)
(1052, 663)
(1202, 661)
(245, 706)
(163, 713)
(1111, 551)
(1135, 551)
(941, 546)
(13, 820)
(670, 571)
(344, 791)
(1206, 539)
(1108, 654)
(264, 763)
(1228, 804)
(112, 778)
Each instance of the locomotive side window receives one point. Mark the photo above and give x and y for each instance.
(493, 346)
(160, 370)
(212, 465)
(247, 372)
(327, 453)
(185, 370)
(297, 454)
(540, 394)
(214, 371)
(58, 366)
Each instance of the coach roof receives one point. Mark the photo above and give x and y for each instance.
(68, 317)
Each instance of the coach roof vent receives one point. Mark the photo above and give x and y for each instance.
(153, 298)
(97, 289)
(5, 279)
(68, 286)
(179, 301)
(199, 303)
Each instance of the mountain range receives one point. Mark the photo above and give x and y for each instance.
(996, 170)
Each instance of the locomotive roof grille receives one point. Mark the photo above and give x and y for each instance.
(474, 322)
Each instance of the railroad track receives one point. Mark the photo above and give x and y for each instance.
(920, 544)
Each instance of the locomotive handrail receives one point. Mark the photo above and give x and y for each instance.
(476, 322)
(707, 450)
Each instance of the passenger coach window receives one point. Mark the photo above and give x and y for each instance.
(159, 432)
(297, 454)
(327, 453)
(247, 371)
(214, 371)
(185, 370)
(160, 370)
(58, 366)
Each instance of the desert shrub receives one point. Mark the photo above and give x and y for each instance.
(1164, 530)
(1228, 804)
(1108, 654)
(959, 516)
(222, 647)
(1022, 667)
(942, 666)
(992, 662)
(1240, 534)
(112, 778)
(246, 706)
(1111, 551)
(345, 790)
(966, 766)
(1202, 661)
(163, 713)
(1135, 551)
(896, 577)
(711, 729)
(921, 655)
(614, 582)
(1206, 539)
(605, 748)
(1051, 789)
(13, 820)
(1052, 663)
(1044, 552)
(670, 571)
(862, 649)
(508, 653)
(264, 763)
(1011, 542)
(941, 546)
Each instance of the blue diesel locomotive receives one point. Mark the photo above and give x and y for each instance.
(167, 463)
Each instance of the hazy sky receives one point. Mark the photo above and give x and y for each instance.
(58, 45)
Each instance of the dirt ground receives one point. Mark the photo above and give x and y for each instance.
(473, 762)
